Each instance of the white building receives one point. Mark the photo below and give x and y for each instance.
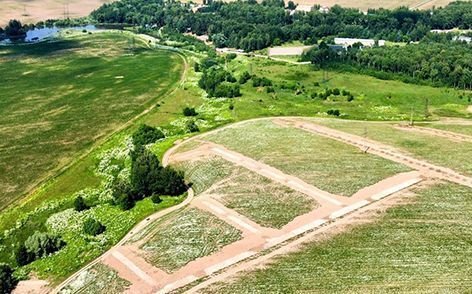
(462, 39)
(345, 42)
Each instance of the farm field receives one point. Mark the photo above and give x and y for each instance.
(243, 205)
(417, 246)
(98, 279)
(87, 87)
(187, 236)
(327, 164)
(266, 202)
(33, 11)
(425, 146)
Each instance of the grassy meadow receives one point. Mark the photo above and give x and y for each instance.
(324, 163)
(262, 200)
(434, 149)
(83, 88)
(59, 98)
(421, 246)
(188, 235)
(374, 99)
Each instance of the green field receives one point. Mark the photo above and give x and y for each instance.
(185, 237)
(100, 278)
(324, 163)
(419, 247)
(374, 99)
(264, 201)
(455, 128)
(267, 203)
(60, 98)
(435, 149)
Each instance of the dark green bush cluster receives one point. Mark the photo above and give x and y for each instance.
(192, 127)
(334, 112)
(79, 204)
(245, 76)
(38, 245)
(148, 177)
(217, 82)
(261, 82)
(189, 111)
(93, 227)
(146, 135)
(7, 281)
(335, 92)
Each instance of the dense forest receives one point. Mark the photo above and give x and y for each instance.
(250, 25)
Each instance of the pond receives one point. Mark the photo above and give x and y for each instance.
(38, 34)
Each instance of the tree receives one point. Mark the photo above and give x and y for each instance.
(244, 77)
(291, 5)
(93, 227)
(156, 199)
(22, 256)
(146, 134)
(79, 204)
(189, 111)
(7, 281)
(14, 29)
(125, 201)
(148, 177)
(42, 244)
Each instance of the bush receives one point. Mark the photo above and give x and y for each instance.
(350, 97)
(334, 112)
(231, 56)
(93, 227)
(42, 244)
(79, 204)
(270, 90)
(189, 111)
(7, 281)
(244, 77)
(22, 256)
(156, 199)
(336, 92)
(192, 127)
(146, 135)
(231, 107)
(125, 201)
(261, 82)
(226, 89)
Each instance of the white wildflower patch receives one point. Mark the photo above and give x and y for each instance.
(69, 219)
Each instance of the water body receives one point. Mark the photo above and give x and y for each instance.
(39, 34)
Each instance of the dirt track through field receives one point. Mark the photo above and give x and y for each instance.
(248, 252)
(381, 150)
(435, 132)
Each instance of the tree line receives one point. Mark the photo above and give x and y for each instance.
(437, 63)
(250, 25)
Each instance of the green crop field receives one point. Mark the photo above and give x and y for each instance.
(59, 98)
(435, 149)
(419, 247)
(324, 163)
(185, 237)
